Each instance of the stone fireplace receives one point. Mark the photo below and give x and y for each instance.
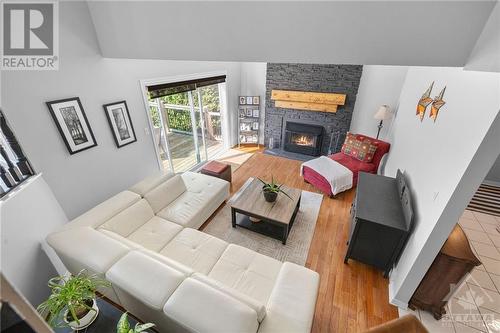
(281, 122)
(303, 138)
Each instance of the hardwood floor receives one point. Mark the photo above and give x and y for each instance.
(352, 297)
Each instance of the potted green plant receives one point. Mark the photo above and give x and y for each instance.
(73, 300)
(271, 190)
(124, 326)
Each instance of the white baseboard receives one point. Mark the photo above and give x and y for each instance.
(394, 301)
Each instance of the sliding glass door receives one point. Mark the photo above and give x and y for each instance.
(187, 126)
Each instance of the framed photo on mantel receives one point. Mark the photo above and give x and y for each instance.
(72, 123)
(120, 123)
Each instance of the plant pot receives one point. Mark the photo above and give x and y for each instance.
(86, 320)
(270, 196)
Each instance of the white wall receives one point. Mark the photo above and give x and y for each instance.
(253, 83)
(82, 180)
(486, 53)
(493, 176)
(379, 85)
(439, 159)
(28, 214)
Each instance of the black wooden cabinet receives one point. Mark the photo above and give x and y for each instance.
(381, 220)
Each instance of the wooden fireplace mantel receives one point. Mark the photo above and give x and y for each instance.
(311, 101)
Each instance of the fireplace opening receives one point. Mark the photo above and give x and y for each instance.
(303, 138)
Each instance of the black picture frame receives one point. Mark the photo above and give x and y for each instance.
(126, 134)
(82, 131)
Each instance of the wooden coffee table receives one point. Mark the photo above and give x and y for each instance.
(276, 218)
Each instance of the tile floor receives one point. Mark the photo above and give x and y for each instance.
(475, 307)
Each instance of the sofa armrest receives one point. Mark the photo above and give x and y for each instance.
(291, 305)
(86, 248)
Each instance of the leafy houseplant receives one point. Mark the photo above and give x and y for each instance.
(271, 190)
(124, 326)
(72, 301)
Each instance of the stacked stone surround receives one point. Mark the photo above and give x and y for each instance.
(342, 79)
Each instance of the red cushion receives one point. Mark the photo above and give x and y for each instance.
(215, 167)
(383, 148)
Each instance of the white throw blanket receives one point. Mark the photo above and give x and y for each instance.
(338, 176)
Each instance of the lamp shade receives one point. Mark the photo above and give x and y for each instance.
(383, 113)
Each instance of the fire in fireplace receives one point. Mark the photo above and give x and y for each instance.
(303, 138)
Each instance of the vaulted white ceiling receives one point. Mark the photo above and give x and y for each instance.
(428, 33)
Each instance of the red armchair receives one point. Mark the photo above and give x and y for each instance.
(349, 162)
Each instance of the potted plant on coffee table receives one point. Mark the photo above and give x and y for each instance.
(271, 190)
(73, 300)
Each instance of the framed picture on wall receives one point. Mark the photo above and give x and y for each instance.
(255, 113)
(120, 123)
(256, 100)
(72, 123)
(243, 100)
(255, 125)
(249, 112)
(249, 100)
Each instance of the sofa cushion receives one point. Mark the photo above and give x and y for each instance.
(360, 148)
(149, 183)
(165, 193)
(104, 211)
(86, 248)
(195, 249)
(203, 196)
(130, 219)
(260, 308)
(197, 307)
(383, 148)
(148, 280)
(247, 271)
(292, 302)
(155, 233)
(169, 262)
(121, 239)
(200, 183)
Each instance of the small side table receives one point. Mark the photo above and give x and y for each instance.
(217, 169)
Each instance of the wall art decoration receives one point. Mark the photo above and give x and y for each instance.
(72, 123)
(437, 103)
(120, 123)
(243, 100)
(424, 102)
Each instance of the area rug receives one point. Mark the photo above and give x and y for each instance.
(297, 244)
(234, 157)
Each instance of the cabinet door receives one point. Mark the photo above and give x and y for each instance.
(375, 244)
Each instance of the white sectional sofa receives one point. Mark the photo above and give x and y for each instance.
(163, 270)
